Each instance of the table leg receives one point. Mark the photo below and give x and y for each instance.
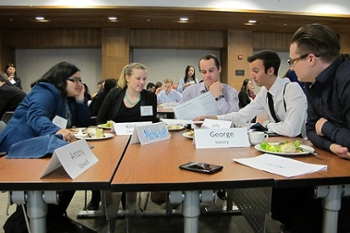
(191, 211)
(331, 205)
(37, 210)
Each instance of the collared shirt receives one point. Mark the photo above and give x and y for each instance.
(329, 97)
(173, 96)
(181, 83)
(226, 105)
(292, 114)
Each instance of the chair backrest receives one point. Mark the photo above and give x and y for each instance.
(2, 126)
(7, 116)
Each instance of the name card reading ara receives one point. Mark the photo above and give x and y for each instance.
(146, 134)
(215, 124)
(75, 158)
(221, 138)
(128, 128)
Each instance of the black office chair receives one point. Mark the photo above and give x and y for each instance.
(7, 116)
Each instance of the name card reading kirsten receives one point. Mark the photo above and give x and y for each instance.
(146, 134)
(128, 128)
(75, 158)
(221, 138)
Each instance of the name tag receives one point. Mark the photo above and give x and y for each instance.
(215, 124)
(60, 122)
(75, 158)
(128, 128)
(146, 134)
(146, 110)
(221, 138)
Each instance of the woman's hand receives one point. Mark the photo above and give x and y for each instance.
(81, 89)
(339, 150)
(68, 136)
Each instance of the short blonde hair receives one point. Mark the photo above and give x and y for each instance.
(168, 80)
(128, 71)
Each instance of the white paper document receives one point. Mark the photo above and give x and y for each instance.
(280, 165)
(203, 105)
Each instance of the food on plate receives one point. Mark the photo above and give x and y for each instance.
(174, 127)
(89, 133)
(284, 147)
(191, 133)
(109, 124)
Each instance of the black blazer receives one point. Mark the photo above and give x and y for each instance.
(114, 99)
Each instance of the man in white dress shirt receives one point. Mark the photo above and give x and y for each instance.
(288, 99)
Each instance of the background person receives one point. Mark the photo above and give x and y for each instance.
(226, 96)
(168, 95)
(96, 102)
(188, 80)
(158, 87)
(151, 87)
(10, 70)
(246, 95)
(10, 95)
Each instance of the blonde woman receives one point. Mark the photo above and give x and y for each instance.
(129, 102)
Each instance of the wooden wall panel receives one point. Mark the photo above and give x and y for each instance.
(275, 41)
(239, 43)
(189, 39)
(115, 52)
(345, 43)
(52, 38)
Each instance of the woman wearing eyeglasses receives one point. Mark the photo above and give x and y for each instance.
(58, 93)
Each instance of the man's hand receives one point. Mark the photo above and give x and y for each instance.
(319, 125)
(339, 150)
(216, 88)
(68, 136)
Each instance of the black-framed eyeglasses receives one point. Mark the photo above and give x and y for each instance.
(291, 62)
(75, 79)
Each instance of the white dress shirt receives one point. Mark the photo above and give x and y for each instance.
(293, 117)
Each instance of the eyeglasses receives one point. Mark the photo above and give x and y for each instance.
(291, 62)
(75, 79)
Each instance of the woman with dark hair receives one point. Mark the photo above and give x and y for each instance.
(59, 92)
(188, 79)
(10, 70)
(246, 94)
(10, 96)
(97, 101)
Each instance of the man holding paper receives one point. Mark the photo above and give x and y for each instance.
(225, 96)
(284, 101)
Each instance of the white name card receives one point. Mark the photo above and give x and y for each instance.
(216, 124)
(60, 122)
(146, 134)
(221, 138)
(128, 128)
(75, 158)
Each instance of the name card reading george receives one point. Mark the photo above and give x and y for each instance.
(221, 138)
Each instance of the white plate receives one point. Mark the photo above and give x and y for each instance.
(107, 135)
(308, 150)
(103, 126)
(175, 127)
(187, 135)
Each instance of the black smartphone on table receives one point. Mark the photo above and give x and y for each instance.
(205, 168)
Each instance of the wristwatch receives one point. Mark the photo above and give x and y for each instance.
(219, 97)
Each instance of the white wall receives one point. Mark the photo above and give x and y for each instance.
(31, 64)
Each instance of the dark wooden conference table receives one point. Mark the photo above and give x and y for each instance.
(22, 178)
(155, 167)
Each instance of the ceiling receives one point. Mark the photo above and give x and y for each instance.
(163, 18)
